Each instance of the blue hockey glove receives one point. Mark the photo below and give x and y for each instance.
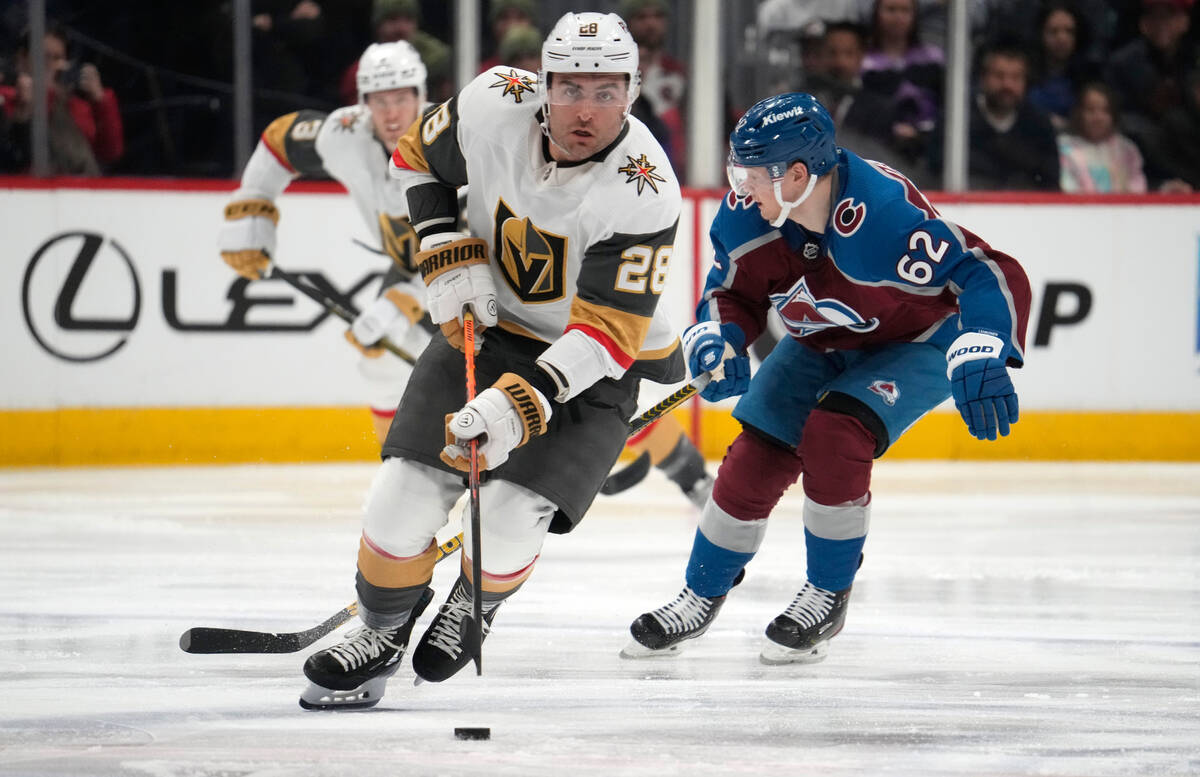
(979, 381)
(707, 349)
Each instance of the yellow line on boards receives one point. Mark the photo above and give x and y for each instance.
(140, 436)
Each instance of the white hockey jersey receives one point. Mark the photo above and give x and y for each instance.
(574, 246)
(343, 146)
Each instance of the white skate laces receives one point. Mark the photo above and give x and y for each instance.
(362, 645)
(686, 613)
(446, 634)
(810, 606)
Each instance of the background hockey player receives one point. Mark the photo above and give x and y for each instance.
(353, 145)
(573, 210)
(890, 310)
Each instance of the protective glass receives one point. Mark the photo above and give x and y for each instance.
(568, 92)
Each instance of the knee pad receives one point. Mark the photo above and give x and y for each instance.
(406, 504)
(837, 450)
(754, 476)
(513, 524)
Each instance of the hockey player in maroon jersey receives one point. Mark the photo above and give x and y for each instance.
(890, 309)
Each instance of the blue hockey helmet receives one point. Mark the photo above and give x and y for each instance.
(783, 129)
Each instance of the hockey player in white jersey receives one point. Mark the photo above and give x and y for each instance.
(353, 145)
(573, 208)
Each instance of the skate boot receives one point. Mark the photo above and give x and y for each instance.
(354, 674)
(661, 632)
(700, 491)
(442, 652)
(801, 633)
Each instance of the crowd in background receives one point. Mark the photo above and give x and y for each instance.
(1073, 95)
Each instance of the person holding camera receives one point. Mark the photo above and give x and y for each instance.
(85, 129)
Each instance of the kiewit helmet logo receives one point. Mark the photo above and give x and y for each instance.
(775, 118)
(57, 292)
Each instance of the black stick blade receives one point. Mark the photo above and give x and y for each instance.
(209, 640)
(472, 639)
(627, 478)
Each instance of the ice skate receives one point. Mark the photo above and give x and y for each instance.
(801, 633)
(354, 674)
(441, 652)
(700, 491)
(662, 632)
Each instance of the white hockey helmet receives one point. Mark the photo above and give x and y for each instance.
(591, 43)
(394, 65)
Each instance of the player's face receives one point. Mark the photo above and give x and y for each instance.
(757, 184)
(392, 112)
(586, 112)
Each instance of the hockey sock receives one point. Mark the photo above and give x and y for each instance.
(832, 564)
(712, 569)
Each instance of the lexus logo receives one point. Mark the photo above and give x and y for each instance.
(62, 269)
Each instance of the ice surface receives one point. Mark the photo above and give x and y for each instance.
(1037, 619)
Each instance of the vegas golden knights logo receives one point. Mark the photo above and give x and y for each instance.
(533, 261)
(399, 241)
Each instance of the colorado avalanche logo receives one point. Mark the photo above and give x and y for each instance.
(803, 314)
(848, 216)
(887, 390)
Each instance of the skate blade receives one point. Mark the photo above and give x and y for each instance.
(636, 650)
(367, 695)
(774, 654)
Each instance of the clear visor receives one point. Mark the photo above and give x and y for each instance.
(742, 178)
(606, 93)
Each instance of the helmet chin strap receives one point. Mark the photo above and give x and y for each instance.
(785, 207)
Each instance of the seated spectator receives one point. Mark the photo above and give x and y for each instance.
(1181, 139)
(1094, 157)
(521, 48)
(85, 130)
(1011, 143)
(1148, 76)
(899, 67)
(504, 15)
(664, 78)
(393, 20)
(1059, 66)
(863, 118)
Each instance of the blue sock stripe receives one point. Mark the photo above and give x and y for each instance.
(711, 568)
(832, 564)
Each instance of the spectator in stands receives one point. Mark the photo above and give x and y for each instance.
(521, 48)
(1148, 76)
(1059, 66)
(863, 118)
(903, 69)
(1181, 129)
(85, 130)
(504, 15)
(393, 20)
(1011, 143)
(1093, 155)
(664, 78)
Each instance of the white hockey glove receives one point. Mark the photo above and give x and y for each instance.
(457, 273)
(390, 316)
(247, 238)
(503, 417)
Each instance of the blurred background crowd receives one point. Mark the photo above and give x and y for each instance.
(1070, 95)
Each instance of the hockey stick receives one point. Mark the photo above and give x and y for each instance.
(472, 625)
(347, 314)
(206, 639)
(628, 477)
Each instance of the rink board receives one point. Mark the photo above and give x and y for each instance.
(127, 340)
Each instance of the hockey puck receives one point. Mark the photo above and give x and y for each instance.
(472, 733)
